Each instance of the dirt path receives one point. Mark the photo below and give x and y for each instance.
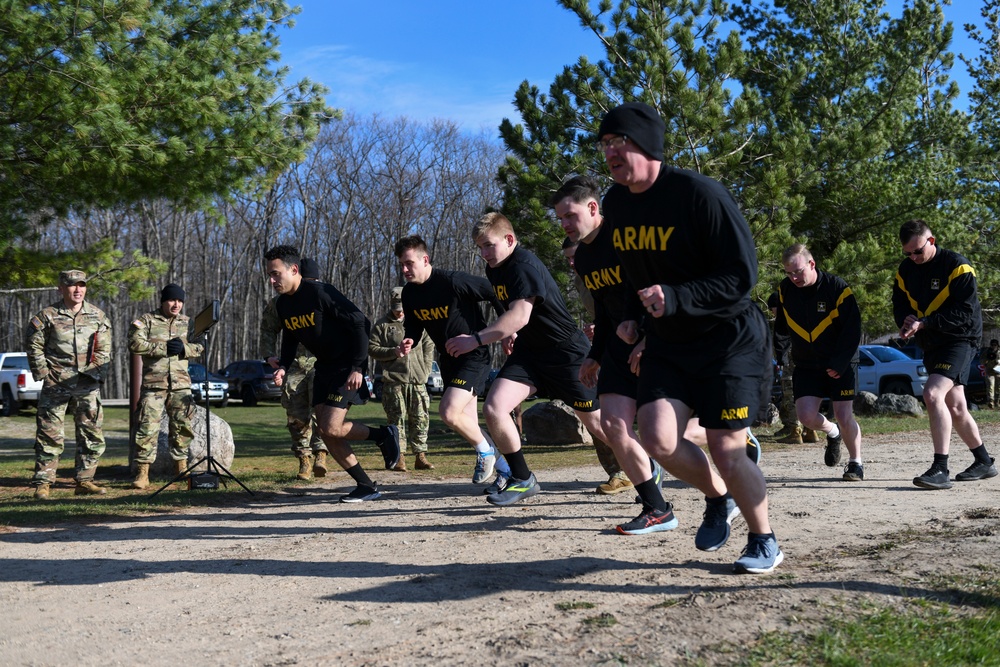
(431, 574)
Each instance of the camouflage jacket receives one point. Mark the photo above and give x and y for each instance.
(270, 327)
(386, 335)
(148, 336)
(62, 346)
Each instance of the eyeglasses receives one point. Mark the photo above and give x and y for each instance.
(616, 141)
(795, 274)
(920, 250)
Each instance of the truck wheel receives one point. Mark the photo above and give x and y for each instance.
(898, 387)
(10, 406)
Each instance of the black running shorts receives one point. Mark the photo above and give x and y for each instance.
(951, 361)
(817, 383)
(616, 377)
(554, 372)
(328, 388)
(468, 372)
(718, 375)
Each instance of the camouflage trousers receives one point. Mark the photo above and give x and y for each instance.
(82, 401)
(296, 398)
(408, 407)
(179, 406)
(606, 456)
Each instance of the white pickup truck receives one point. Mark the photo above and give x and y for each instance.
(17, 385)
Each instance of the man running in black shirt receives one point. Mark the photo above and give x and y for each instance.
(545, 346)
(685, 246)
(935, 300)
(443, 304)
(819, 313)
(327, 324)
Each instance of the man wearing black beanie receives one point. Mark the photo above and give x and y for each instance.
(161, 338)
(683, 241)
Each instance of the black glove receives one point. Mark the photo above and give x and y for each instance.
(175, 347)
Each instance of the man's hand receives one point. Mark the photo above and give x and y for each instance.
(354, 381)
(404, 347)
(832, 373)
(272, 362)
(628, 331)
(635, 356)
(911, 325)
(588, 331)
(588, 372)
(175, 347)
(279, 377)
(507, 344)
(461, 344)
(653, 300)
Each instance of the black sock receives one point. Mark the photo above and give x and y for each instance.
(982, 456)
(377, 434)
(360, 476)
(719, 499)
(518, 467)
(650, 494)
(940, 462)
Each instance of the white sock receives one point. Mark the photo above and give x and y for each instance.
(484, 447)
(835, 431)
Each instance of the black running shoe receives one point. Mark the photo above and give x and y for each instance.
(854, 472)
(650, 521)
(933, 479)
(390, 447)
(978, 470)
(832, 455)
(361, 494)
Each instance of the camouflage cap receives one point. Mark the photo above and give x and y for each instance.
(396, 298)
(72, 277)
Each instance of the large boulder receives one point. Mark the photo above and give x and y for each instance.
(223, 446)
(864, 404)
(894, 404)
(553, 423)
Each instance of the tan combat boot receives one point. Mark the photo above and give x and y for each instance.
(794, 436)
(141, 480)
(42, 491)
(305, 467)
(401, 466)
(809, 435)
(180, 467)
(617, 483)
(785, 431)
(86, 487)
(319, 467)
(422, 462)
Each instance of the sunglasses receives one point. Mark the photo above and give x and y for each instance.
(920, 250)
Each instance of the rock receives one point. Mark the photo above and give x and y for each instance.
(223, 447)
(894, 404)
(554, 423)
(864, 404)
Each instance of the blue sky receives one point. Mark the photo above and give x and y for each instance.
(458, 59)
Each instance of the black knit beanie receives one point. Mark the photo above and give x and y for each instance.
(639, 122)
(309, 268)
(170, 292)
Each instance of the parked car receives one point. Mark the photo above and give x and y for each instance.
(887, 370)
(251, 381)
(18, 387)
(218, 388)
(975, 388)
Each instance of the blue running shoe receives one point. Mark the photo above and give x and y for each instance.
(515, 491)
(760, 556)
(753, 448)
(390, 447)
(650, 521)
(361, 494)
(713, 532)
(485, 464)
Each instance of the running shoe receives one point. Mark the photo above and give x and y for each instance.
(498, 485)
(361, 494)
(832, 455)
(753, 448)
(390, 447)
(713, 532)
(760, 556)
(854, 472)
(933, 479)
(650, 521)
(485, 464)
(516, 490)
(978, 470)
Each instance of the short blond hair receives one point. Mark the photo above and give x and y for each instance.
(492, 222)
(797, 249)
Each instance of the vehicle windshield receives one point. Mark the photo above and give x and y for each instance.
(197, 372)
(886, 354)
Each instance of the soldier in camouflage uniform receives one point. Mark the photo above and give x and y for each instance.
(69, 350)
(161, 338)
(404, 382)
(296, 391)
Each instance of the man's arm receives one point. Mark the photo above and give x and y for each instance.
(513, 320)
(380, 346)
(35, 344)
